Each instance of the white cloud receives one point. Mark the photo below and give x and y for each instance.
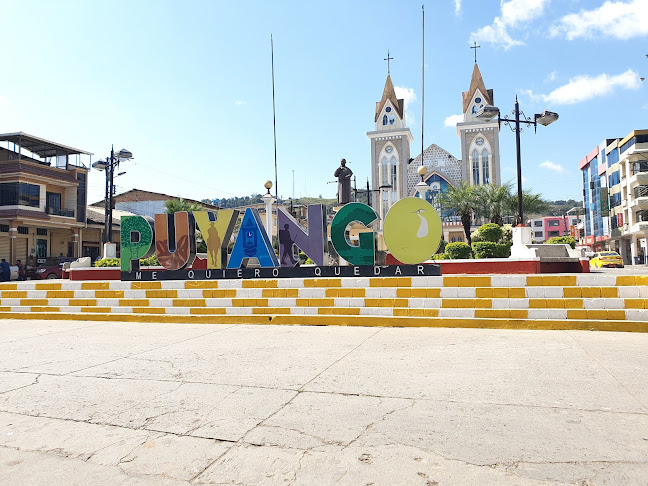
(240, 102)
(452, 120)
(623, 20)
(2, 99)
(583, 88)
(513, 13)
(409, 96)
(552, 166)
(457, 4)
(551, 76)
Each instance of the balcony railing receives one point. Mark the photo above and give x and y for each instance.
(640, 191)
(67, 213)
(638, 167)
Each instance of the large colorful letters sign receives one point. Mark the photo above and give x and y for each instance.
(411, 230)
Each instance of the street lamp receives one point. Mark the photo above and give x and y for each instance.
(422, 188)
(268, 200)
(545, 118)
(109, 165)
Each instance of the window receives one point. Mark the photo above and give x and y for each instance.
(41, 231)
(385, 172)
(642, 216)
(553, 222)
(388, 109)
(615, 200)
(553, 233)
(613, 157)
(392, 119)
(4, 228)
(485, 168)
(19, 193)
(394, 172)
(23, 230)
(538, 234)
(537, 223)
(475, 167)
(627, 145)
(614, 179)
(384, 119)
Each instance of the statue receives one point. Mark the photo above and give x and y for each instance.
(343, 173)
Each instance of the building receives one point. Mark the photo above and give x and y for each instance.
(146, 203)
(595, 198)
(43, 198)
(394, 174)
(550, 226)
(627, 174)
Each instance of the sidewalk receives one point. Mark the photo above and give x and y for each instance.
(178, 404)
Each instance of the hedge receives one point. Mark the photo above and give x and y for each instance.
(488, 249)
(490, 232)
(151, 261)
(562, 240)
(441, 256)
(458, 250)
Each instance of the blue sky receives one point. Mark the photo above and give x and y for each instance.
(186, 86)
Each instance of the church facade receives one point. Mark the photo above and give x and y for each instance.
(394, 173)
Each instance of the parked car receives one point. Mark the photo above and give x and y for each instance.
(606, 259)
(51, 268)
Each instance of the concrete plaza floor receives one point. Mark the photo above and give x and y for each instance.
(177, 404)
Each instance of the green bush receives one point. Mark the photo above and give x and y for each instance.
(507, 235)
(441, 256)
(562, 240)
(475, 236)
(458, 250)
(108, 262)
(488, 249)
(490, 232)
(151, 261)
(442, 245)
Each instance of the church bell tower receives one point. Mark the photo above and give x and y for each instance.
(390, 151)
(479, 139)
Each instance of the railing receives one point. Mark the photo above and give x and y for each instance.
(641, 191)
(68, 213)
(639, 167)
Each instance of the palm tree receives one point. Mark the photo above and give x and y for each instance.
(461, 201)
(176, 205)
(491, 201)
(531, 204)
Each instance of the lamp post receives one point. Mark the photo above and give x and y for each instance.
(268, 200)
(422, 188)
(109, 165)
(545, 118)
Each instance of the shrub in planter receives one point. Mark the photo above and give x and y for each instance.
(151, 261)
(490, 232)
(108, 262)
(458, 250)
(562, 240)
(441, 256)
(488, 249)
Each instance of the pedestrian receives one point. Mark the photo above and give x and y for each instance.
(21, 270)
(6, 271)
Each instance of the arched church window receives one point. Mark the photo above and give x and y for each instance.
(485, 166)
(392, 119)
(385, 172)
(475, 167)
(394, 172)
(384, 119)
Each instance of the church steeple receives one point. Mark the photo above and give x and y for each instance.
(476, 83)
(390, 94)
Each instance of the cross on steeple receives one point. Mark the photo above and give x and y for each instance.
(475, 47)
(388, 59)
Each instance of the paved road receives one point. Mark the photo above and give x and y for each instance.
(177, 404)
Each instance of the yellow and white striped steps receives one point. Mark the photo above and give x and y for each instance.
(534, 301)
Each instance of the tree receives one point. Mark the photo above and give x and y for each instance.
(531, 204)
(461, 201)
(491, 201)
(176, 205)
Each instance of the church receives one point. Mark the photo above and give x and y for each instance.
(393, 171)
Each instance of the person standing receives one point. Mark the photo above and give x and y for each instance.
(6, 271)
(21, 270)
